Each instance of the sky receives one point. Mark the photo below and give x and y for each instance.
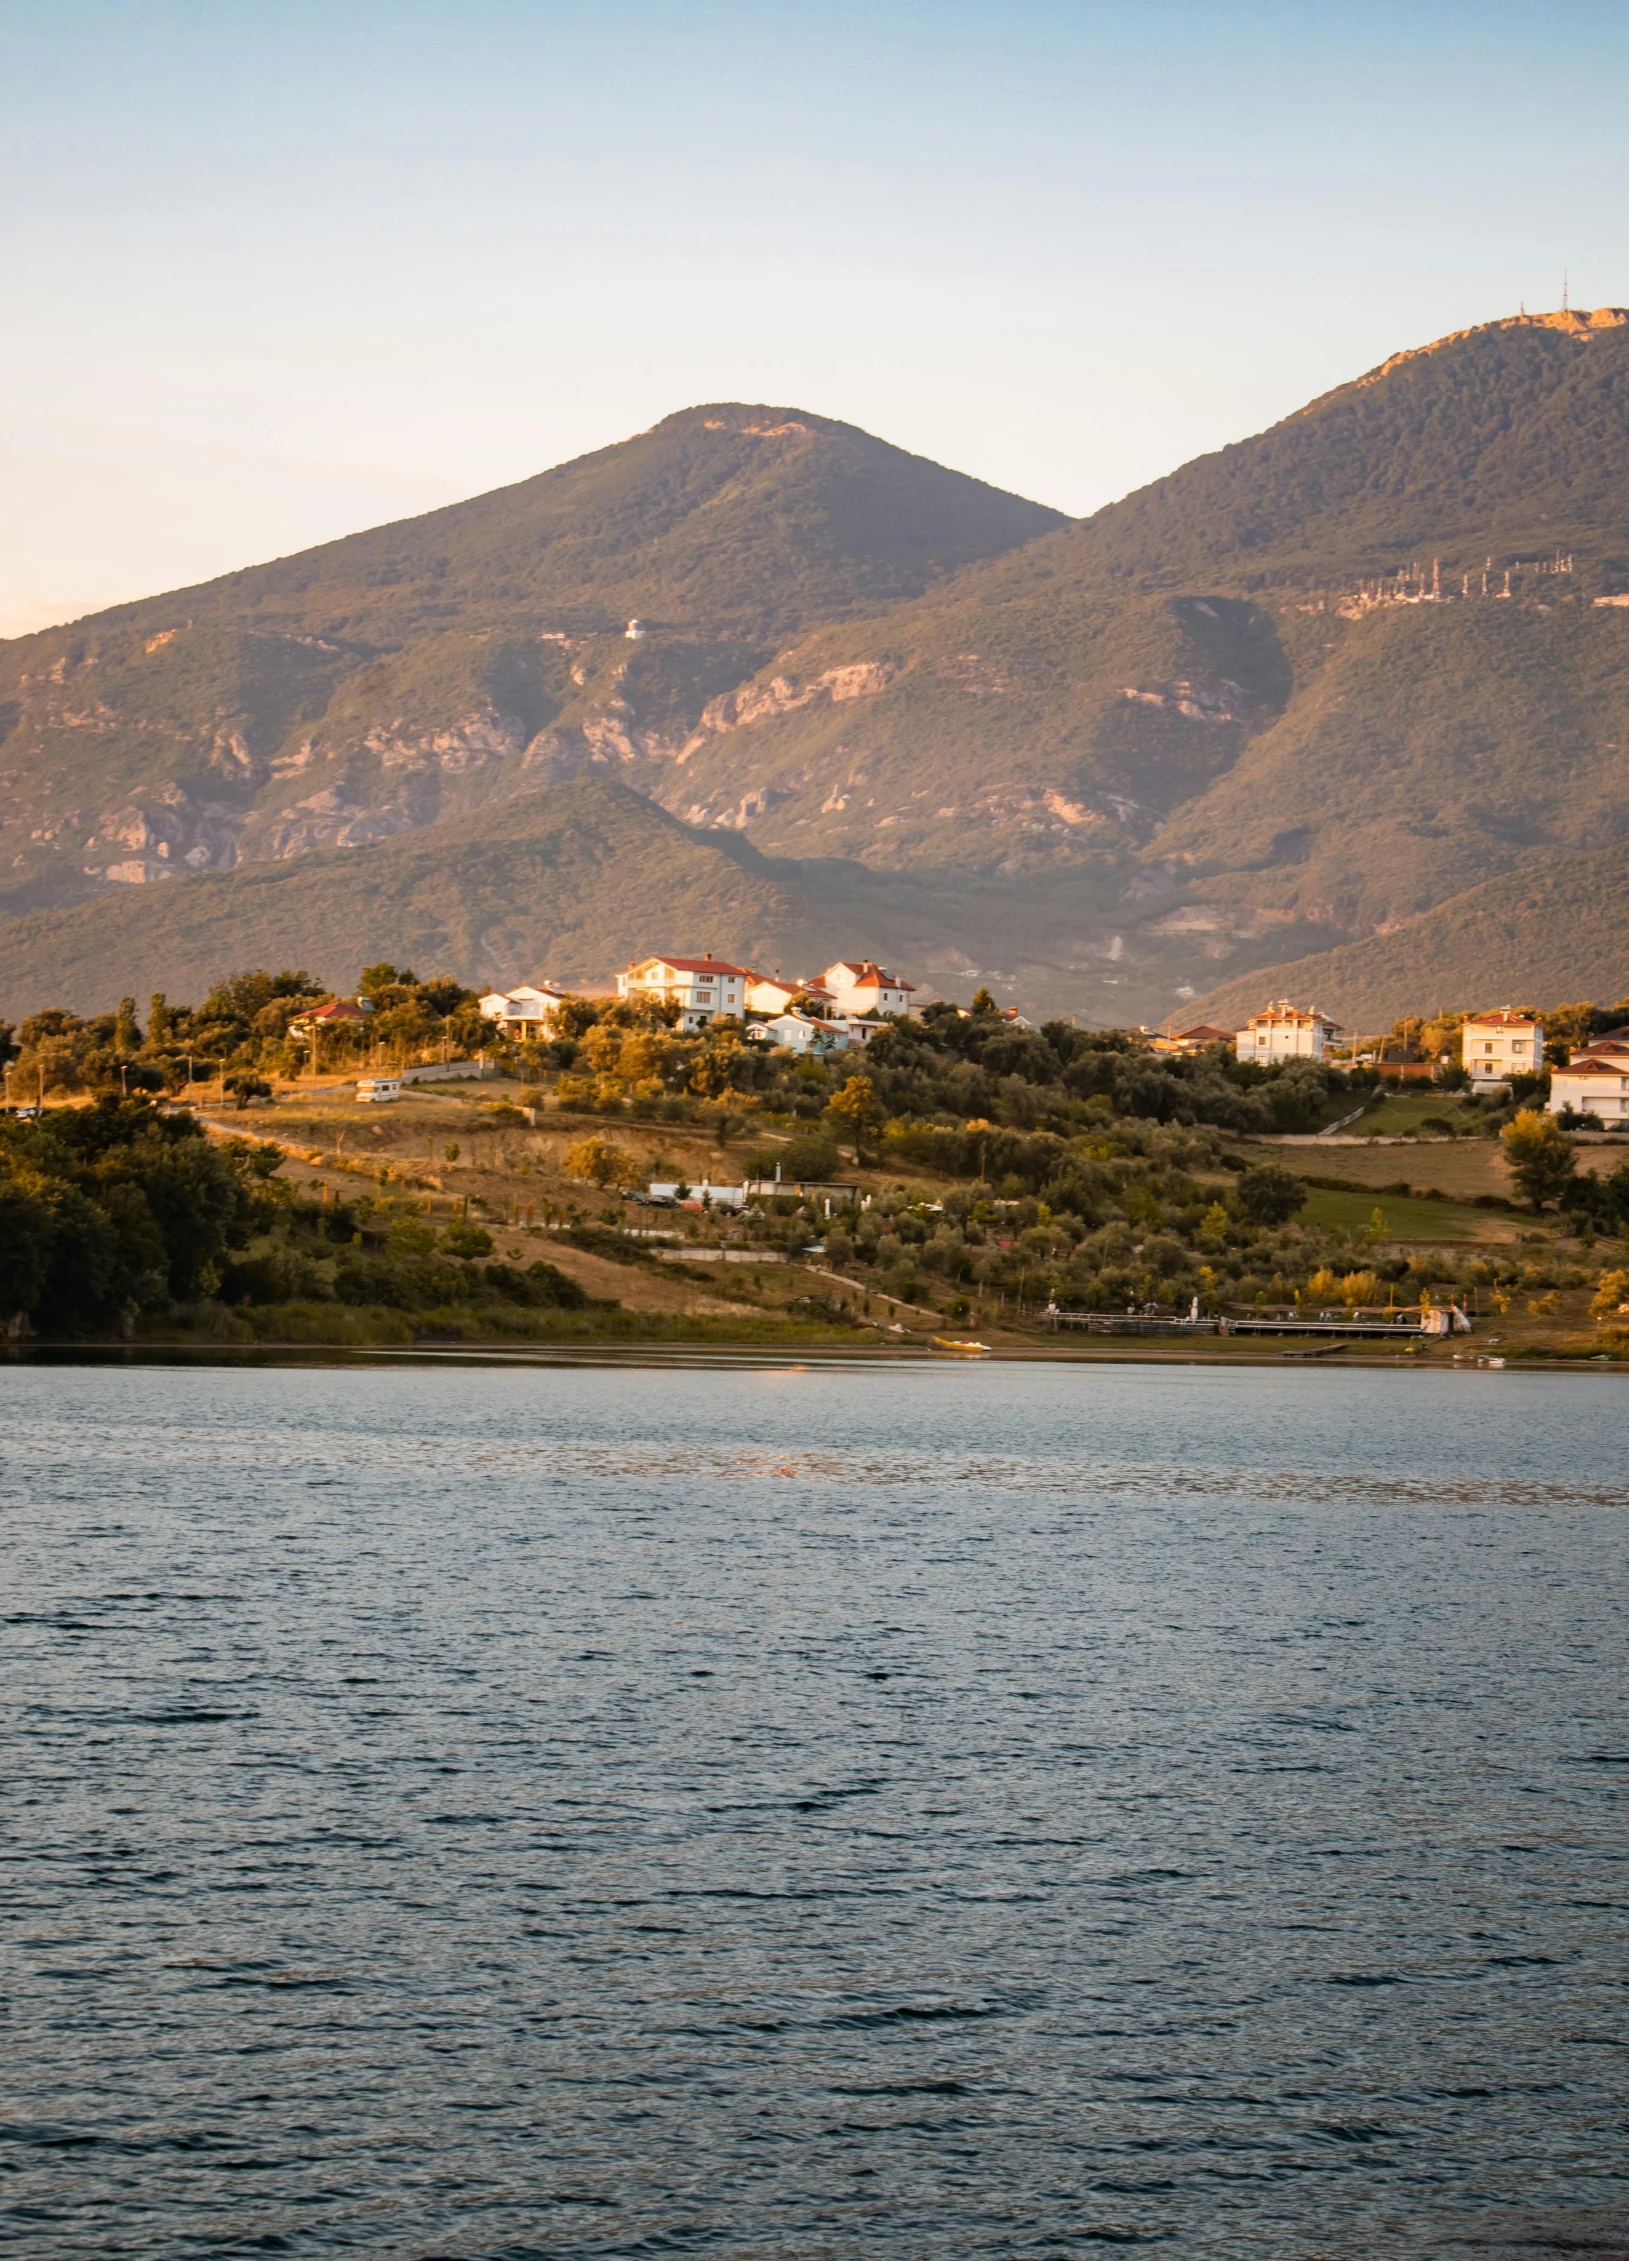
(275, 271)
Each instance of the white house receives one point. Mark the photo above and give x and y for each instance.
(1497, 1046)
(1595, 1082)
(769, 993)
(704, 988)
(860, 985)
(1286, 1032)
(802, 1035)
(526, 1012)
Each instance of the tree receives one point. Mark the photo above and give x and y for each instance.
(602, 1162)
(575, 1017)
(385, 976)
(52, 1060)
(1568, 1028)
(856, 1107)
(1541, 1161)
(25, 1248)
(126, 1030)
(715, 1067)
(1269, 1194)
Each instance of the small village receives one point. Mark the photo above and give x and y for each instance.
(712, 1149)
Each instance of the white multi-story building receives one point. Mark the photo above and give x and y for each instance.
(704, 989)
(1496, 1046)
(526, 1013)
(1286, 1032)
(1595, 1082)
(860, 985)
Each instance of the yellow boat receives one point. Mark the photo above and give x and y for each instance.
(949, 1342)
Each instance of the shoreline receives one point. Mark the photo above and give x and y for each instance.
(654, 1352)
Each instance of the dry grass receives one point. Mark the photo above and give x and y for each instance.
(1461, 1168)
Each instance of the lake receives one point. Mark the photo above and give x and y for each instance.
(813, 1811)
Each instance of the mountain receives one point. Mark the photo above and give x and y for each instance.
(1549, 936)
(1163, 676)
(573, 882)
(385, 681)
(1294, 695)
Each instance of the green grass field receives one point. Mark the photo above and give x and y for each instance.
(1459, 1168)
(1406, 1219)
(1401, 1112)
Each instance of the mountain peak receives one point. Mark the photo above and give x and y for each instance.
(754, 420)
(1578, 322)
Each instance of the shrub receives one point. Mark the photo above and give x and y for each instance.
(465, 1240)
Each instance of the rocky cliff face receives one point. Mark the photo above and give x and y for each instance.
(1295, 693)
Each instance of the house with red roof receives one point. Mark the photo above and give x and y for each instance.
(1282, 1031)
(860, 985)
(705, 989)
(1496, 1046)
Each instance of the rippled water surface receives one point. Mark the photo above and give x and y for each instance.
(933, 1812)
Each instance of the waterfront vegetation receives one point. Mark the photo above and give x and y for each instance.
(999, 1169)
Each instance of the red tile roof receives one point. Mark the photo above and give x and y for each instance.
(1282, 1012)
(867, 973)
(690, 965)
(1601, 1059)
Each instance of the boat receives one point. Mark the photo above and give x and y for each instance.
(953, 1342)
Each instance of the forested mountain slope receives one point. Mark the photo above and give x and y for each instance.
(417, 671)
(1549, 936)
(1294, 694)
(572, 883)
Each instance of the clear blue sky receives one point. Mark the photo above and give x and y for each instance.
(275, 270)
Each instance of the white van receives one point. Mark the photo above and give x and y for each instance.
(377, 1089)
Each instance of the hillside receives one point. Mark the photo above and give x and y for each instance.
(1549, 937)
(1296, 693)
(570, 883)
(557, 884)
(403, 675)
(1164, 672)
